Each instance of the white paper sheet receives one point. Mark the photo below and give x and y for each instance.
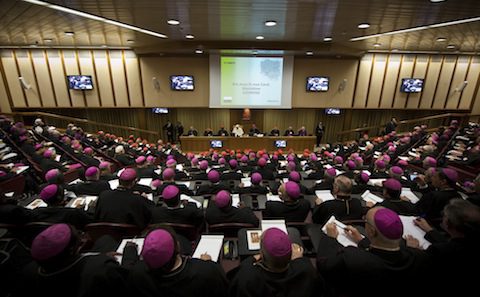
(114, 183)
(190, 199)
(246, 182)
(369, 197)
(325, 195)
(8, 156)
(235, 200)
(410, 195)
(21, 169)
(409, 228)
(210, 244)
(271, 197)
(280, 224)
(376, 182)
(138, 241)
(145, 181)
(341, 238)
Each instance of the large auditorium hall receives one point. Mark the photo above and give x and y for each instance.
(270, 148)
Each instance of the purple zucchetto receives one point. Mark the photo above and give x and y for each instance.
(451, 174)
(222, 199)
(51, 242)
(128, 174)
(233, 163)
(261, 162)
(294, 176)
(392, 184)
(331, 172)
(388, 223)
(351, 165)
(380, 164)
(52, 174)
(203, 165)
(168, 174)
(292, 189)
(213, 176)
(140, 160)
(256, 178)
(158, 248)
(48, 154)
(48, 192)
(104, 165)
(170, 192)
(396, 170)
(276, 243)
(364, 177)
(91, 171)
(171, 163)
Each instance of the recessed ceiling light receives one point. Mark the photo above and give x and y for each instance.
(254, 52)
(173, 22)
(309, 53)
(437, 1)
(270, 23)
(451, 46)
(104, 45)
(377, 44)
(259, 37)
(327, 39)
(33, 45)
(47, 40)
(130, 41)
(363, 26)
(395, 50)
(69, 33)
(198, 51)
(189, 36)
(441, 39)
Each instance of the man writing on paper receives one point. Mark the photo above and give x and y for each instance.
(383, 266)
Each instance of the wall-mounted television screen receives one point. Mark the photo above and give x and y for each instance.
(80, 82)
(216, 143)
(334, 111)
(182, 83)
(280, 143)
(317, 84)
(411, 85)
(159, 110)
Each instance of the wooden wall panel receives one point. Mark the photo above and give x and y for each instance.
(11, 72)
(444, 82)
(421, 65)
(58, 78)
(459, 77)
(103, 78)
(71, 68)
(133, 79)
(406, 71)
(390, 83)
(85, 60)
(4, 102)
(26, 71)
(472, 78)
(377, 81)
(43, 78)
(363, 81)
(430, 83)
(119, 82)
(338, 71)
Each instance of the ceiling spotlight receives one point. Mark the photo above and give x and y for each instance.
(309, 53)
(130, 41)
(270, 23)
(437, 1)
(33, 45)
(48, 40)
(363, 26)
(395, 50)
(255, 53)
(259, 37)
(451, 46)
(173, 22)
(69, 33)
(189, 36)
(198, 51)
(104, 45)
(377, 44)
(441, 39)
(327, 39)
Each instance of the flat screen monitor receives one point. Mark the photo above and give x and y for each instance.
(317, 83)
(280, 143)
(182, 83)
(411, 85)
(80, 82)
(159, 110)
(216, 143)
(334, 111)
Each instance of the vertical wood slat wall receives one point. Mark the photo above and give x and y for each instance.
(122, 79)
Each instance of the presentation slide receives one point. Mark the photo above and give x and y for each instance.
(250, 82)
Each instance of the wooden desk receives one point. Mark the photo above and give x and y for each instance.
(202, 143)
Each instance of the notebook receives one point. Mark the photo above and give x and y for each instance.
(210, 244)
(341, 238)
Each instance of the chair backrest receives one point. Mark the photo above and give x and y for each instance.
(191, 232)
(15, 185)
(228, 229)
(117, 231)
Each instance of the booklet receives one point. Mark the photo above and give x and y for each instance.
(210, 244)
(410, 195)
(36, 203)
(280, 224)
(369, 197)
(409, 228)
(325, 195)
(341, 238)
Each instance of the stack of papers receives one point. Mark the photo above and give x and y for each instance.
(341, 238)
(36, 203)
(246, 182)
(280, 224)
(325, 195)
(210, 244)
(190, 199)
(84, 200)
(369, 197)
(376, 182)
(121, 247)
(271, 197)
(410, 195)
(409, 228)
(114, 183)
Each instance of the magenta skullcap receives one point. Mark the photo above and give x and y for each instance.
(396, 170)
(233, 163)
(364, 177)
(168, 173)
(48, 192)
(51, 242)
(244, 159)
(294, 176)
(150, 159)
(391, 149)
(451, 174)
(338, 160)
(380, 164)
(38, 146)
(354, 155)
(276, 243)
(52, 174)
(429, 161)
(172, 162)
(75, 166)
(275, 157)
(222, 199)
(261, 162)
(91, 171)
(48, 154)
(170, 192)
(290, 158)
(292, 189)
(195, 161)
(392, 184)
(158, 248)
(332, 172)
(256, 178)
(140, 160)
(213, 176)
(23, 138)
(88, 151)
(221, 161)
(313, 157)
(170, 157)
(2, 173)
(291, 165)
(156, 183)
(388, 223)
(386, 158)
(104, 165)
(351, 164)
(203, 165)
(76, 146)
(128, 174)
(402, 163)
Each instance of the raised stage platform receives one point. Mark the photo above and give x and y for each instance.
(204, 143)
